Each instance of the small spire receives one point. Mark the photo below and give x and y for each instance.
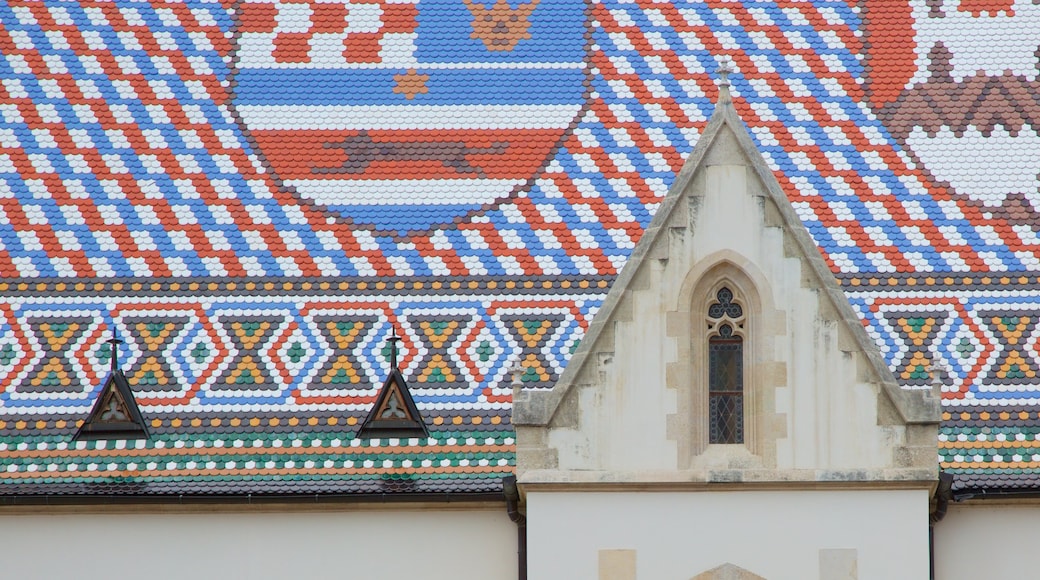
(394, 339)
(517, 371)
(724, 71)
(114, 351)
(936, 370)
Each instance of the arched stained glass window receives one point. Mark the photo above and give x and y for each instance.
(725, 369)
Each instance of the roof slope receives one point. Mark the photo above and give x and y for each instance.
(252, 194)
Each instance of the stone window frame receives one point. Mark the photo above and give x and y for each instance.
(727, 328)
(719, 278)
(764, 325)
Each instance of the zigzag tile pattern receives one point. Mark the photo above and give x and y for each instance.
(984, 345)
(266, 395)
(286, 352)
(254, 193)
(981, 346)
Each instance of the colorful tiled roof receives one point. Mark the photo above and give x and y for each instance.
(254, 193)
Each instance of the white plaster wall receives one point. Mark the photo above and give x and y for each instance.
(340, 543)
(775, 534)
(831, 414)
(986, 541)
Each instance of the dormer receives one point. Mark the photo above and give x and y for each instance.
(115, 414)
(725, 350)
(726, 377)
(394, 413)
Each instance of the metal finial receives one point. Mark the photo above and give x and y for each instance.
(114, 351)
(394, 339)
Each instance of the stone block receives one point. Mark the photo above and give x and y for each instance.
(537, 459)
(914, 456)
(617, 565)
(839, 564)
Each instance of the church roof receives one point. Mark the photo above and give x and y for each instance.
(253, 194)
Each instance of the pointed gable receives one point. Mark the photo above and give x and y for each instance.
(780, 382)
(394, 413)
(115, 414)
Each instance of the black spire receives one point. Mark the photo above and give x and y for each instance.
(114, 351)
(393, 340)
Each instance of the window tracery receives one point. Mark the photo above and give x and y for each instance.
(725, 369)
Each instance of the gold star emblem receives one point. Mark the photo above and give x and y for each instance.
(410, 84)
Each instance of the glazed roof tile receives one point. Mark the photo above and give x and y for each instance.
(254, 194)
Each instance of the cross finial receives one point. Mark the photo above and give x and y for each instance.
(394, 339)
(724, 71)
(114, 351)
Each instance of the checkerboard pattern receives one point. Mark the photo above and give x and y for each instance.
(296, 30)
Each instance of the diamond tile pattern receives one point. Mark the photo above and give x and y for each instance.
(253, 195)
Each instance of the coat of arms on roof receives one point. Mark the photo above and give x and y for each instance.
(394, 413)
(115, 414)
(500, 26)
(419, 114)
